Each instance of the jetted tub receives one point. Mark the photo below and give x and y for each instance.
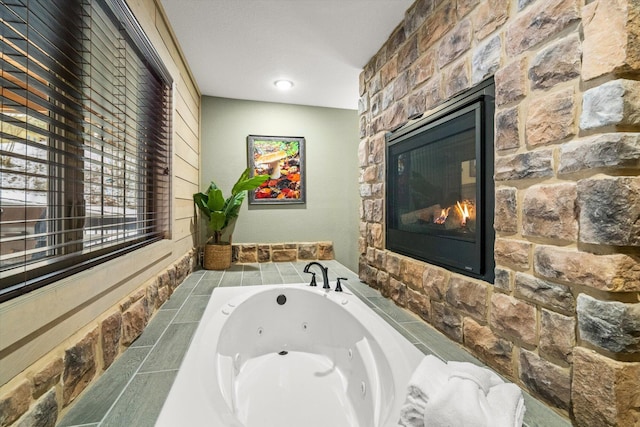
(290, 356)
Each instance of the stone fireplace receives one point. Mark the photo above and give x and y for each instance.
(561, 318)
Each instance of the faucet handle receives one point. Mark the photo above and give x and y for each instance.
(313, 280)
(338, 287)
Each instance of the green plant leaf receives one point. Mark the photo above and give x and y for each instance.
(217, 220)
(246, 183)
(201, 199)
(232, 207)
(216, 200)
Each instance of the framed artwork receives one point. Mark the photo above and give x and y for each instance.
(282, 158)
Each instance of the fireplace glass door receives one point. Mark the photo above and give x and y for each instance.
(435, 185)
(437, 203)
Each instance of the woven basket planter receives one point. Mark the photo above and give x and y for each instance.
(217, 257)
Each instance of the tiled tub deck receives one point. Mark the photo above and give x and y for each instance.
(132, 391)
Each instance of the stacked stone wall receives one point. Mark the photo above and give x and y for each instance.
(38, 396)
(563, 316)
(282, 252)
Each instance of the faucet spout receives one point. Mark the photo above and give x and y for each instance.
(325, 273)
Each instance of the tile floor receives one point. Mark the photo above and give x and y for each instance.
(132, 391)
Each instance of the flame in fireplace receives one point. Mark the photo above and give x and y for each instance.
(463, 210)
(443, 216)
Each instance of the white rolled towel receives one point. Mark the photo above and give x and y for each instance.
(428, 378)
(425, 382)
(506, 405)
(485, 378)
(460, 403)
(475, 397)
(504, 401)
(412, 411)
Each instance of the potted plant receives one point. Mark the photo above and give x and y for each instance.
(221, 214)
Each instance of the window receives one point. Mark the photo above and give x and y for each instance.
(85, 109)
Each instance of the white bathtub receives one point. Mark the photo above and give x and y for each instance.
(320, 359)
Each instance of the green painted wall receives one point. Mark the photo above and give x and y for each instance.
(331, 211)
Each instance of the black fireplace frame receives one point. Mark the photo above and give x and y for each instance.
(474, 259)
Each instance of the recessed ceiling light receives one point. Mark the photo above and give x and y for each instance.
(283, 84)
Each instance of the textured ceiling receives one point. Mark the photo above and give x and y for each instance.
(238, 48)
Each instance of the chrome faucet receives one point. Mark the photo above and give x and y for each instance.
(325, 274)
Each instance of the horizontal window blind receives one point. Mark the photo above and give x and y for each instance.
(85, 109)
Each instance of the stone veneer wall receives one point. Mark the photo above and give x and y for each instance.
(563, 317)
(40, 394)
(282, 252)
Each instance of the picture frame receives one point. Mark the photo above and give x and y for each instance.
(283, 158)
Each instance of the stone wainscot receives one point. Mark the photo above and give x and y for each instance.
(41, 394)
(282, 252)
